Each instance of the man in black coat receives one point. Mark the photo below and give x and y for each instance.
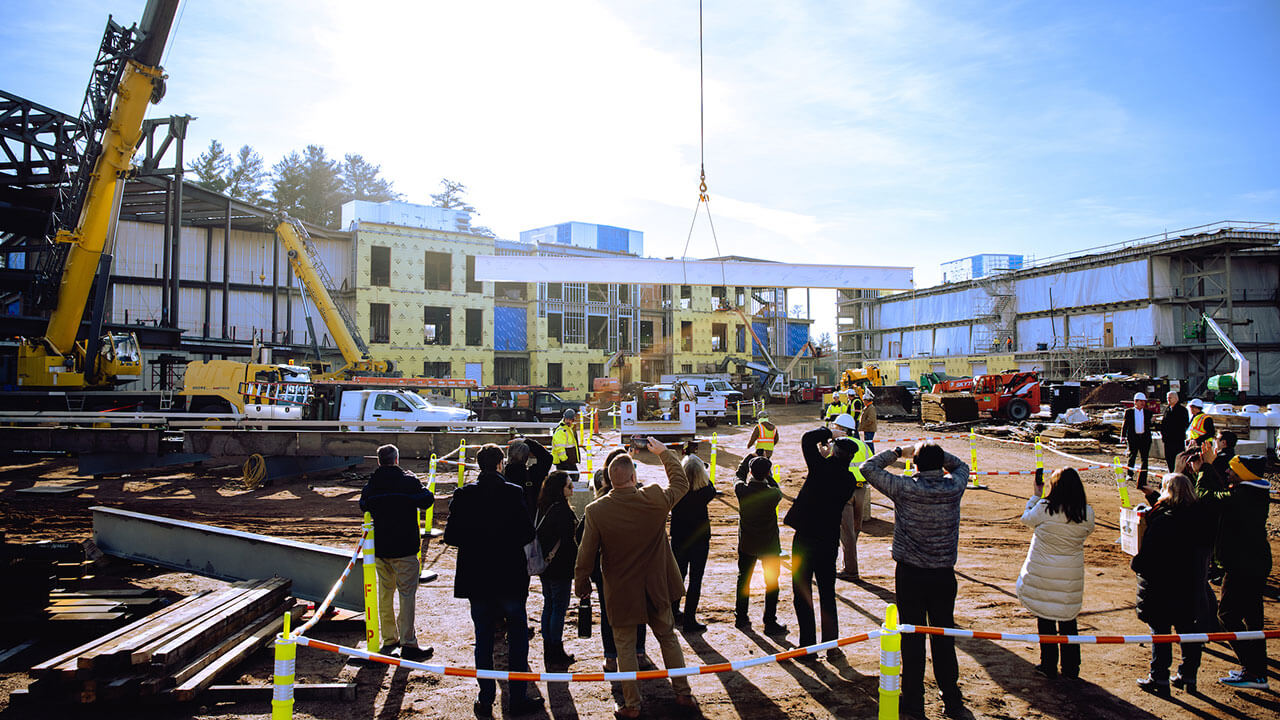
(1173, 429)
(758, 498)
(815, 516)
(393, 496)
(490, 526)
(1136, 432)
(527, 466)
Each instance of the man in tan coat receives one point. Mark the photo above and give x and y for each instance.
(628, 528)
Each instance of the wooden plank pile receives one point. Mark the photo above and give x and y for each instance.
(173, 653)
(948, 407)
(99, 608)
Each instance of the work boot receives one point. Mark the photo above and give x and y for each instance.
(1153, 686)
(773, 628)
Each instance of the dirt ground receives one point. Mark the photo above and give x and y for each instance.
(997, 679)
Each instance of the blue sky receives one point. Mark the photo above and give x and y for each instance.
(878, 132)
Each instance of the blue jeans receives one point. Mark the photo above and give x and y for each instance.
(867, 436)
(555, 603)
(485, 613)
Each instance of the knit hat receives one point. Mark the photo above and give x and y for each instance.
(1248, 467)
(760, 468)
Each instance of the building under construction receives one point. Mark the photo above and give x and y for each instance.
(1131, 307)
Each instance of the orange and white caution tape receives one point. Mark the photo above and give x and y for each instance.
(1093, 639)
(733, 666)
(323, 607)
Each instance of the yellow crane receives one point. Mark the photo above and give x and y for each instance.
(57, 359)
(318, 286)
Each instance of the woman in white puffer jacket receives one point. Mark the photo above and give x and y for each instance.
(1051, 584)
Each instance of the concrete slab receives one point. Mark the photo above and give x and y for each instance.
(520, 268)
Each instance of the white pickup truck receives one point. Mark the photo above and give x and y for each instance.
(401, 406)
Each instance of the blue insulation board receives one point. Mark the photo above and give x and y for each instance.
(509, 331)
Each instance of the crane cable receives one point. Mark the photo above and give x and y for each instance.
(703, 197)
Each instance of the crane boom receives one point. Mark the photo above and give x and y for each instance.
(56, 359)
(316, 283)
(1242, 363)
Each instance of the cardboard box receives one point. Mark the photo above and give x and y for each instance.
(1133, 525)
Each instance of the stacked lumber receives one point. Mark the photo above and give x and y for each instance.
(81, 609)
(173, 653)
(948, 407)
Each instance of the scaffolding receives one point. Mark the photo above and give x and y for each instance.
(996, 313)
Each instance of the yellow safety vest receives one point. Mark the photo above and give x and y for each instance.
(561, 440)
(766, 439)
(835, 411)
(863, 455)
(1196, 430)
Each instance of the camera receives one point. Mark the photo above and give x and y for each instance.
(640, 442)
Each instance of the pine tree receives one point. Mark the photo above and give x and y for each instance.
(451, 196)
(244, 182)
(308, 186)
(360, 181)
(211, 167)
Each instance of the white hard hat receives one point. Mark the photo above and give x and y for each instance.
(1196, 403)
(846, 421)
(1139, 396)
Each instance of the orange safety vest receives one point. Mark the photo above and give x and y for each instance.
(766, 439)
(1196, 430)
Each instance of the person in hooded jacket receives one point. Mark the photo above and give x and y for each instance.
(691, 536)
(554, 523)
(1166, 567)
(602, 486)
(1051, 583)
(758, 498)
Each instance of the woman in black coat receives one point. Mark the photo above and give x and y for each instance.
(554, 524)
(691, 536)
(1170, 571)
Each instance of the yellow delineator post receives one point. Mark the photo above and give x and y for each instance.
(1122, 482)
(614, 411)
(429, 521)
(973, 452)
(371, 634)
(462, 462)
(588, 427)
(777, 480)
(1040, 465)
(739, 413)
(890, 665)
(715, 439)
(283, 675)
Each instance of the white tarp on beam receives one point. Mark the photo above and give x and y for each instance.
(651, 271)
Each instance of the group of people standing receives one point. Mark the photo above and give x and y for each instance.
(1210, 511)
(1207, 522)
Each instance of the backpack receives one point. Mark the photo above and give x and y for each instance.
(535, 562)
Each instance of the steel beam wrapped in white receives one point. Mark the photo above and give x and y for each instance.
(538, 268)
